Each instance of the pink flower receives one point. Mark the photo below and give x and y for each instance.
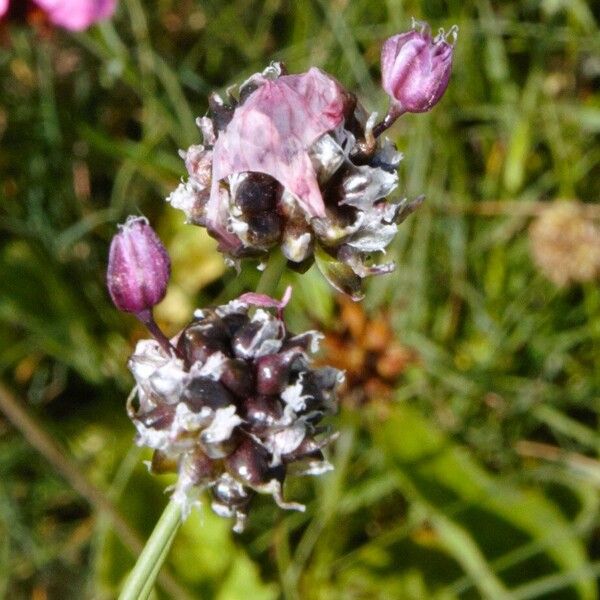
(72, 14)
(271, 133)
(77, 14)
(415, 68)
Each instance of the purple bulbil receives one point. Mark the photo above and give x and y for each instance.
(415, 68)
(138, 267)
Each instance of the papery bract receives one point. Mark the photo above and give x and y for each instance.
(295, 162)
(138, 267)
(415, 68)
(272, 132)
(264, 301)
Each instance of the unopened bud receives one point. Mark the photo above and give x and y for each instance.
(415, 68)
(138, 267)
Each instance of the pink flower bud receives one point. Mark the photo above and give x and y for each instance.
(138, 267)
(77, 15)
(415, 68)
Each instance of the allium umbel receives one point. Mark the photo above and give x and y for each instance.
(415, 68)
(291, 162)
(237, 410)
(565, 243)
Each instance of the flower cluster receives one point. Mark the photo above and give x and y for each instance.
(295, 162)
(235, 408)
(282, 166)
(565, 243)
(289, 163)
(368, 351)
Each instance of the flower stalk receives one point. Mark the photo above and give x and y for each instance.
(141, 580)
(147, 318)
(272, 274)
(393, 114)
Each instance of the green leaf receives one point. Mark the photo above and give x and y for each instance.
(454, 487)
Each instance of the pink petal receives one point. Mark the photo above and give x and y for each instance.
(77, 14)
(272, 132)
(3, 7)
(389, 53)
(412, 64)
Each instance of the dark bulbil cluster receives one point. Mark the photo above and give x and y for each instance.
(236, 408)
(295, 162)
(291, 161)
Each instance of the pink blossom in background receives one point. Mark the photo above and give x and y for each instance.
(3, 7)
(271, 133)
(75, 15)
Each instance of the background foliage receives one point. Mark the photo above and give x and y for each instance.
(479, 478)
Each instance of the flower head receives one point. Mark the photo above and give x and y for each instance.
(237, 409)
(282, 166)
(368, 350)
(138, 267)
(415, 68)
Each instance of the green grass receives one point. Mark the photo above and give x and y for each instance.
(482, 479)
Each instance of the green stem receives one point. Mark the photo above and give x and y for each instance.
(272, 273)
(152, 576)
(143, 575)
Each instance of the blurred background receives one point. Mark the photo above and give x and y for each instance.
(467, 465)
